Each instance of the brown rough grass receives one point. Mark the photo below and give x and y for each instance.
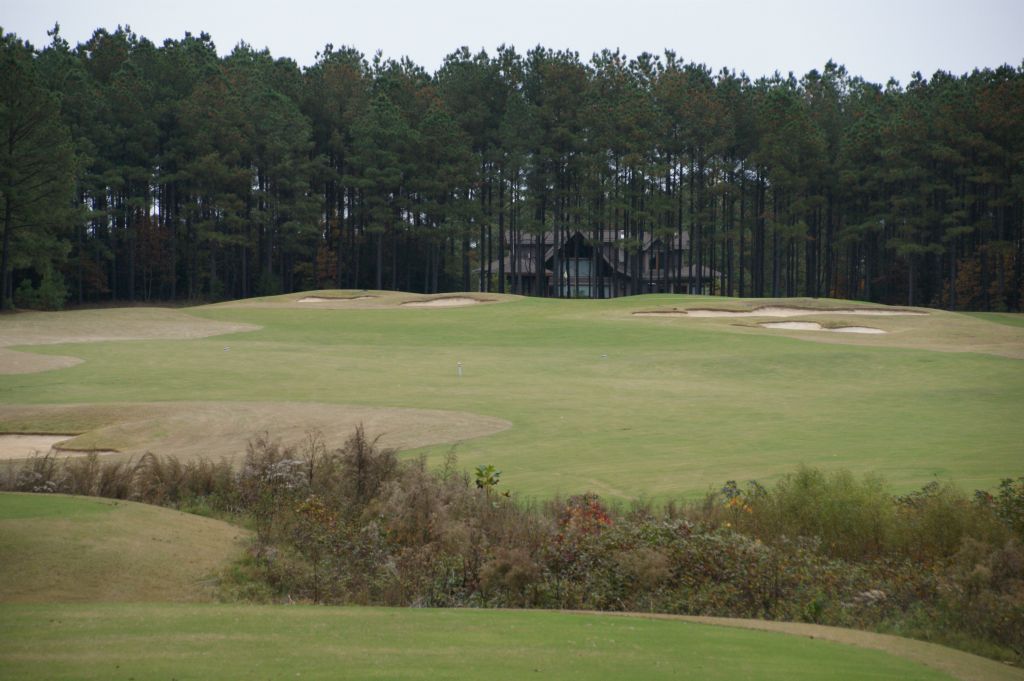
(86, 326)
(216, 430)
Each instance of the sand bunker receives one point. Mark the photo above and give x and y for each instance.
(454, 301)
(815, 326)
(777, 311)
(329, 299)
(19, 446)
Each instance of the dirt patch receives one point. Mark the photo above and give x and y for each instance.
(958, 664)
(215, 430)
(780, 311)
(89, 326)
(454, 301)
(329, 299)
(815, 326)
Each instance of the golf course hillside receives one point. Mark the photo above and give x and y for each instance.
(106, 583)
(806, 461)
(63, 549)
(648, 396)
(245, 642)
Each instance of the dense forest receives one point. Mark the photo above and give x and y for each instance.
(133, 171)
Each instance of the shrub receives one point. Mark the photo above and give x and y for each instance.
(933, 522)
(511, 572)
(985, 592)
(852, 518)
(40, 473)
(364, 467)
(83, 475)
(1007, 503)
(51, 294)
(116, 480)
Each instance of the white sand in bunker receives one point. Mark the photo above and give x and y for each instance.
(454, 301)
(815, 326)
(18, 446)
(779, 311)
(329, 299)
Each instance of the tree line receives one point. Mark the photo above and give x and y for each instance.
(133, 171)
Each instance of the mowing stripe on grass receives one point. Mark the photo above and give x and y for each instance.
(144, 642)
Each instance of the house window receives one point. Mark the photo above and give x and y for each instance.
(584, 267)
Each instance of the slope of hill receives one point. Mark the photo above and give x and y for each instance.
(58, 548)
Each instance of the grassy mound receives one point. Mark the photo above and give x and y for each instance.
(236, 642)
(59, 548)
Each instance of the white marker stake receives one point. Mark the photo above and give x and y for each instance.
(458, 369)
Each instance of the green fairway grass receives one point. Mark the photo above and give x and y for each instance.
(598, 398)
(15, 507)
(1008, 318)
(142, 642)
(83, 549)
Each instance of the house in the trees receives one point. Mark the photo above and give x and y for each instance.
(581, 267)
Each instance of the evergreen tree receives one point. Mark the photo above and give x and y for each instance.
(36, 175)
(165, 171)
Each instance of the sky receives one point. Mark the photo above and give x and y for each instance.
(874, 39)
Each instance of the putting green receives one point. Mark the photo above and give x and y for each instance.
(272, 642)
(599, 399)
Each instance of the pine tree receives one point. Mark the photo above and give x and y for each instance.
(36, 173)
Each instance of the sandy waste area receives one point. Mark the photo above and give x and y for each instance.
(23, 446)
(815, 326)
(773, 311)
(329, 299)
(454, 301)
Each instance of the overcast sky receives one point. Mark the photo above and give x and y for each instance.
(875, 39)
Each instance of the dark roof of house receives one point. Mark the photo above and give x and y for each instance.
(608, 237)
(524, 264)
(525, 267)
